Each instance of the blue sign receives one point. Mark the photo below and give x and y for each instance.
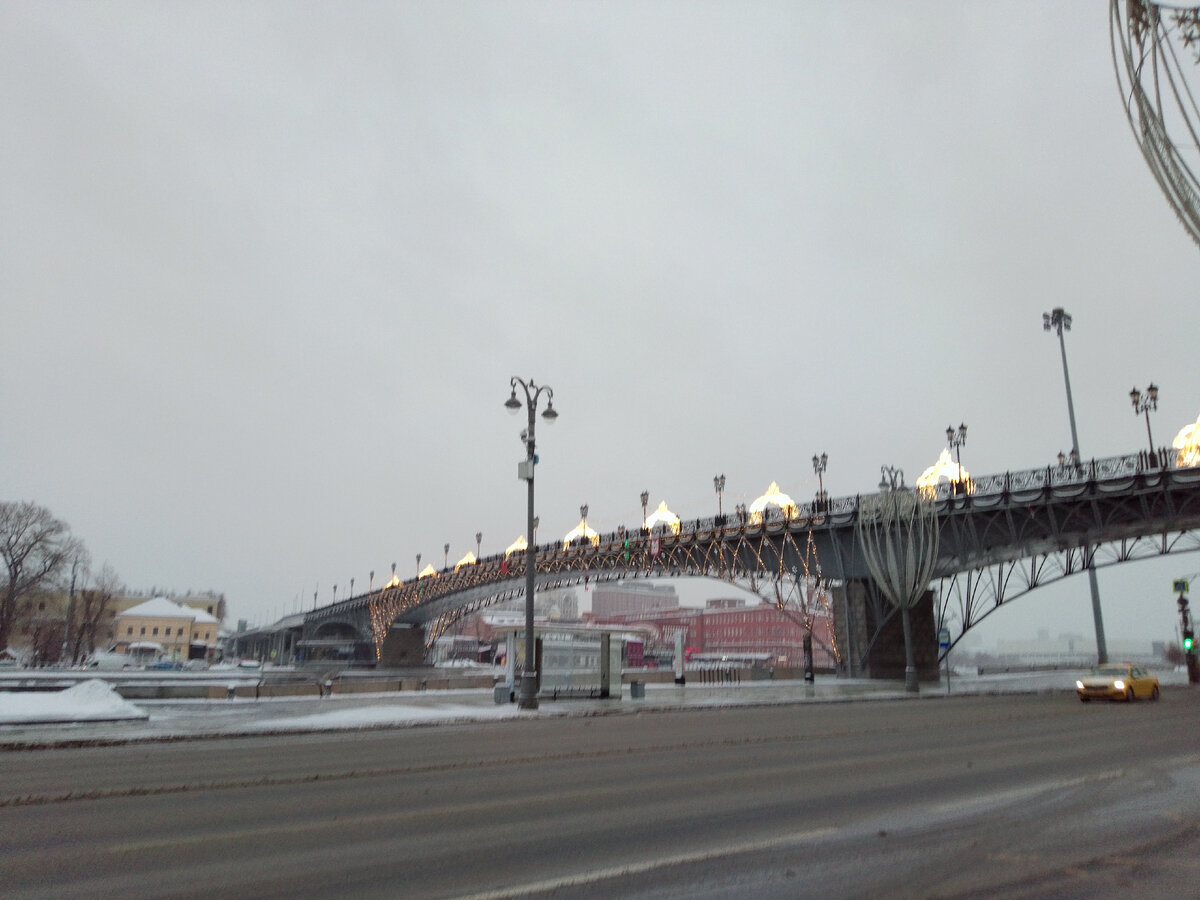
(1179, 586)
(943, 639)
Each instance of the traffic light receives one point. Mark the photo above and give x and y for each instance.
(1187, 642)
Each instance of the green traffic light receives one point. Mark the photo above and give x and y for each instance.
(1187, 643)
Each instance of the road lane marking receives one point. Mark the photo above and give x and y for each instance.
(593, 876)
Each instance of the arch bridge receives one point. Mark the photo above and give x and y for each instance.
(1000, 538)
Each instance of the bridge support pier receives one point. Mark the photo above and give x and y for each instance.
(879, 628)
(403, 646)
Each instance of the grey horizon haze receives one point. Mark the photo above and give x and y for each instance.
(268, 268)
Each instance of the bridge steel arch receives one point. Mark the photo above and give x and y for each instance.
(1014, 532)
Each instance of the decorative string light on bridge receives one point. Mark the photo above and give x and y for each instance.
(664, 517)
(1187, 445)
(774, 498)
(945, 469)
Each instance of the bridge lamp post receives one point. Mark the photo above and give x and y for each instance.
(719, 485)
(528, 698)
(820, 464)
(1059, 320)
(956, 439)
(446, 557)
(645, 503)
(478, 544)
(1144, 403)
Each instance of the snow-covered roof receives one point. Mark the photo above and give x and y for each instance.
(162, 608)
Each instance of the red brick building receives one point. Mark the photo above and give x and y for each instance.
(730, 627)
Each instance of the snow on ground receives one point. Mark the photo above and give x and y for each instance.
(89, 701)
(382, 716)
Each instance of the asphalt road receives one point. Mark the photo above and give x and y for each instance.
(1004, 796)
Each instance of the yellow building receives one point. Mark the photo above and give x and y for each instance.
(180, 632)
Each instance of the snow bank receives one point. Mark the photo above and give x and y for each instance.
(89, 701)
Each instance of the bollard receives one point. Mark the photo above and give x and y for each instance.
(231, 691)
(637, 690)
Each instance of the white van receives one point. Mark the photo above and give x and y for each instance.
(105, 661)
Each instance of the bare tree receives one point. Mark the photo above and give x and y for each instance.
(804, 596)
(92, 613)
(34, 546)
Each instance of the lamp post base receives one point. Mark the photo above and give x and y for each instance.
(911, 685)
(527, 699)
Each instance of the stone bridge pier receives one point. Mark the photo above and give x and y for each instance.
(873, 636)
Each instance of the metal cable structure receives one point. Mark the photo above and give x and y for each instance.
(1151, 43)
(899, 533)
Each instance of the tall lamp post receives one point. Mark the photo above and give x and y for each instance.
(1059, 320)
(719, 485)
(478, 543)
(1144, 403)
(956, 439)
(820, 464)
(528, 698)
(645, 503)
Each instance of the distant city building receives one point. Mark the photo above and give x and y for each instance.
(181, 632)
(554, 604)
(624, 597)
(730, 627)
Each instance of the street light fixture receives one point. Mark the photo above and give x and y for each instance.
(528, 698)
(956, 439)
(719, 484)
(478, 543)
(820, 464)
(645, 503)
(446, 558)
(1144, 403)
(1059, 320)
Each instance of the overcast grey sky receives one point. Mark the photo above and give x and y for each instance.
(267, 269)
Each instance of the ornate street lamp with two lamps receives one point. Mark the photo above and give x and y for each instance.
(956, 439)
(1143, 404)
(820, 464)
(528, 697)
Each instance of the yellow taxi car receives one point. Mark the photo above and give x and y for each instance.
(1117, 681)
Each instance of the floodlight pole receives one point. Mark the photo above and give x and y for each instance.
(529, 674)
(1060, 320)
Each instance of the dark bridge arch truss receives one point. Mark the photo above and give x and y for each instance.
(775, 560)
(964, 599)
